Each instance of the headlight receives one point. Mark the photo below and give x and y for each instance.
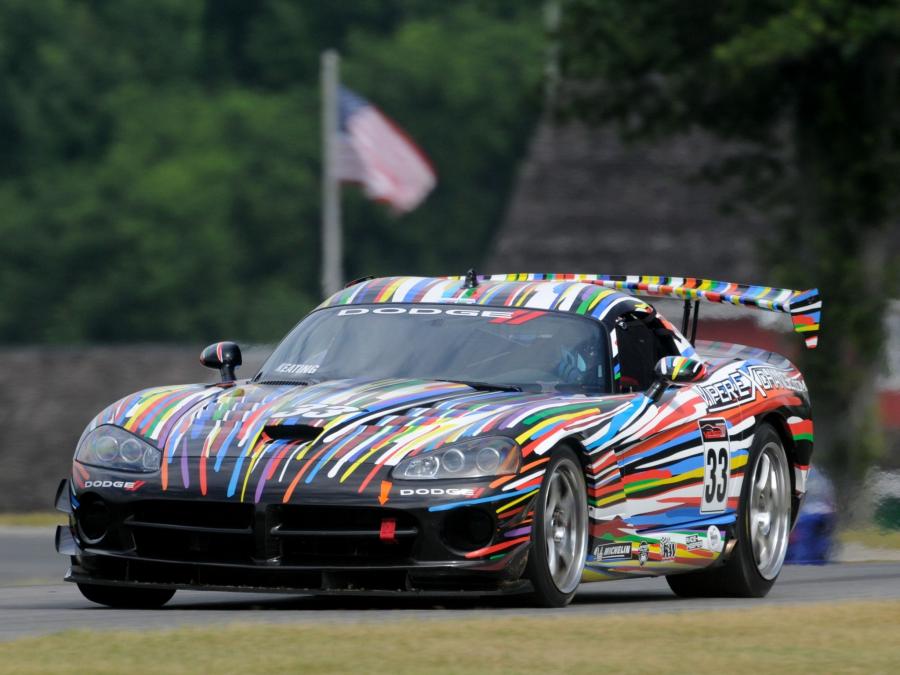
(475, 458)
(114, 448)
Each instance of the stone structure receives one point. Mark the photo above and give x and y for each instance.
(587, 202)
(50, 394)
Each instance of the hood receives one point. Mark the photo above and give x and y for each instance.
(337, 427)
(187, 415)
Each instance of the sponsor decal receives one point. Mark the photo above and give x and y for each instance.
(621, 551)
(127, 485)
(315, 411)
(713, 430)
(715, 538)
(520, 316)
(297, 368)
(768, 378)
(666, 549)
(643, 552)
(388, 311)
(727, 392)
(438, 492)
(716, 465)
(693, 542)
(746, 385)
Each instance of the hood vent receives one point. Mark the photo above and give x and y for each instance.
(297, 432)
(283, 383)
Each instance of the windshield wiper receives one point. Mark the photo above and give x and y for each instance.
(484, 386)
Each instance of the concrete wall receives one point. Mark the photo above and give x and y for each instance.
(49, 395)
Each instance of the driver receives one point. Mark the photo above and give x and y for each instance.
(574, 366)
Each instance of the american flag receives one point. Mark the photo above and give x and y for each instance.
(374, 151)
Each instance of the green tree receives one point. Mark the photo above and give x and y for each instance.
(159, 172)
(808, 89)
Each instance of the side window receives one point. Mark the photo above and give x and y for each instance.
(642, 341)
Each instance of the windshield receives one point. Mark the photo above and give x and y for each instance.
(528, 349)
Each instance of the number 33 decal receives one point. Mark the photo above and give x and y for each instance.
(716, 465)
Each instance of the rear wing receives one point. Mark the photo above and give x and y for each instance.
(804, 307)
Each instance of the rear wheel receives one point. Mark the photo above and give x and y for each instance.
(763, 528)
(560, 532)
(123, 597)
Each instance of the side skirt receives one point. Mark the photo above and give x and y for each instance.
(630, 554)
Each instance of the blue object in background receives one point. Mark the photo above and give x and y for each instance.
(812, 541)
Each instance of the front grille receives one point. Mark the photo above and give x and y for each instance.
(192, 531)
(228, 533)
(224, 515)
(321, 535)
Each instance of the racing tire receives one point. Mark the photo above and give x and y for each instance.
(763, 528)
(559, 535)
(121, 597)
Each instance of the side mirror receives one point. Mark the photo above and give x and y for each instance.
(676, 370)
(224, 357)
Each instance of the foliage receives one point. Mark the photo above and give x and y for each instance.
(159, 177)
(807, 92)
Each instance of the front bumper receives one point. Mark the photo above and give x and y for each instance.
(344, 546)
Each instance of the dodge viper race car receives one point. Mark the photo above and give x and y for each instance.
(481, 434)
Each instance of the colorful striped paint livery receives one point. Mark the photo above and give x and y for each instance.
(643, 453)
(643, 458)
(563, 295)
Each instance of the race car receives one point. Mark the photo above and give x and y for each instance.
(470, 434)
(814, 537)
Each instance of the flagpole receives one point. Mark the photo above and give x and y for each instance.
(332, 239)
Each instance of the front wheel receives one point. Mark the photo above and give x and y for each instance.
(559, 535)
(122, 597)
(763, 528)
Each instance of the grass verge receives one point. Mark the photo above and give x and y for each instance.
(872, 537)
(852, 637)
(33, 581)
(35, 519)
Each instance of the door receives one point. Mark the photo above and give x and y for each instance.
(661, 459)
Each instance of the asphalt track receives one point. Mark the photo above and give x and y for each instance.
(33, 601)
